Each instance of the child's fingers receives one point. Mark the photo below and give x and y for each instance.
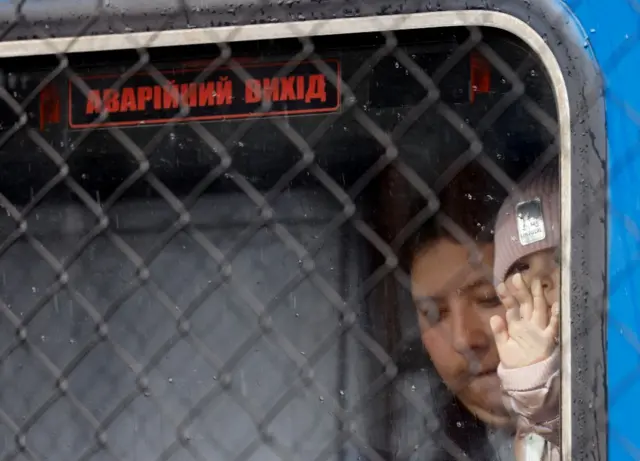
(540, 316)
(553, 329)
(510, 304)
(499, 329)
(523, 295)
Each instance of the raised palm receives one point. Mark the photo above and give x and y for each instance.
(528, 333)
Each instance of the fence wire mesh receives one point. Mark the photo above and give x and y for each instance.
(208, 250)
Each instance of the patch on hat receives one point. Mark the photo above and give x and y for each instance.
(530, 222)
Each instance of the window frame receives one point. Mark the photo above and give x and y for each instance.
(550, 32)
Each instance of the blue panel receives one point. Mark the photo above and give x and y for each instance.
(614, 32)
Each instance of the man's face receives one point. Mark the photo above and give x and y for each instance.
(455, 300)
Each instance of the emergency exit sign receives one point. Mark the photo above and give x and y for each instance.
(185, 95)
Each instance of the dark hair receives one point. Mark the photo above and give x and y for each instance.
(467, 209)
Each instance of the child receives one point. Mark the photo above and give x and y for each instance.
(527, 271)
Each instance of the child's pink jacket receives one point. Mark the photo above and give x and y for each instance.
(532, 394)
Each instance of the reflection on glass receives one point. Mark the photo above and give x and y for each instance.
(312, 259)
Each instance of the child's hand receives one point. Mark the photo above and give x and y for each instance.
(529, 334)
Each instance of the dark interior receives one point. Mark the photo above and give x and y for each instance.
(391, 110)
(387, 92)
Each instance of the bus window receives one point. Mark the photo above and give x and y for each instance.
(264, 253)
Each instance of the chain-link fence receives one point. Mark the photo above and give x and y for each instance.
(211, 235)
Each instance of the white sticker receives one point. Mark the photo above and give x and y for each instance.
(534, 447)
(530, 221)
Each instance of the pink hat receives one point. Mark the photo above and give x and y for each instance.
(528, 221)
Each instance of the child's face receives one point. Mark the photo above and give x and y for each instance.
(543, 265)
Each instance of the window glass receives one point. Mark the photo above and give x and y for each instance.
(267, 252)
